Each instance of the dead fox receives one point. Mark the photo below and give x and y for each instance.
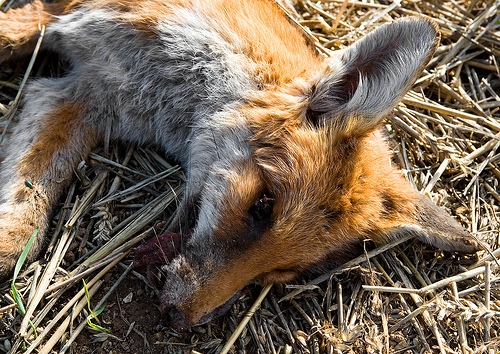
(287, 167)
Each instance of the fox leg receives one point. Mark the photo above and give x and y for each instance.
(49, 141)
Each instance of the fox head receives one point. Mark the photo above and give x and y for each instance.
(317, 180)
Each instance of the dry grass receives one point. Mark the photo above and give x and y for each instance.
(404, 298)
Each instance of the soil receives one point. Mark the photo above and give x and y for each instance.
(133, 318)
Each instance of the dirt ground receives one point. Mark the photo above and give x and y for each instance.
(133, 319)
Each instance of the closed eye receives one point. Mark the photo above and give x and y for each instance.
(262, 210)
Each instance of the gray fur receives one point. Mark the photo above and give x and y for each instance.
(180, 91)
(385, 62)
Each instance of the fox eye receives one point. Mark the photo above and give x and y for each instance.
(262, 208)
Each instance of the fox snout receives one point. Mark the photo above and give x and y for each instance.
(287, 165)
(177, 302)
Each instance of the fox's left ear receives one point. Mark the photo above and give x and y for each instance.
(432, 225)
(367, 79)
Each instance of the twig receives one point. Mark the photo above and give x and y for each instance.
(245, 319)
(13, 107)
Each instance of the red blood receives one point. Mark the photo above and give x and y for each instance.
(156, 252)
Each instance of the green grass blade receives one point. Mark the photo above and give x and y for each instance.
(24, 254)
(94, 314)
(19, 264)
(96, 326)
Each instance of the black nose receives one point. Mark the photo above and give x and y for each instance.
(173, 314)
(176, 319)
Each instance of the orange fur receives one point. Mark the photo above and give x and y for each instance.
(21, 27)
(63, 132)
(42, 178)
(338, 198)
(279, 52)
(142, 15)
(289, 173)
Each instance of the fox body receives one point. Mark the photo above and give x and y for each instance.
(287, 168)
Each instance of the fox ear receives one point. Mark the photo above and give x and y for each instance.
(432, 225)
(366, 80)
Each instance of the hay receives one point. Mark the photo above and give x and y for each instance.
(406, 297)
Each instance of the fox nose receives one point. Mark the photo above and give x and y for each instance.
(176, 319)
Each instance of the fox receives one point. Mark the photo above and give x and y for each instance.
(288, 168)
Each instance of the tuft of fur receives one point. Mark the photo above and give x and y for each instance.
(286, 165)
